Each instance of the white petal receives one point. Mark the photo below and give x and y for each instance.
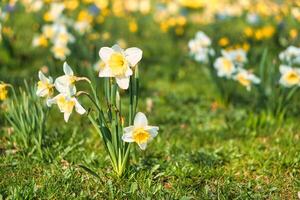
(105, 53)
(140, 120)
(123, 82)
(42, 92)
(128, 72)
(284, 69)
(68, 70)
(127, 137)
(143, 146)
(52, 101)
(128, 129)
(66, 116)
(133, 55)
(62, 85)
(79, 109)
(153, 130)
(42, 77)
(105, 72)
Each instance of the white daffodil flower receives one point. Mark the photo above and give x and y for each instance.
(66, 105)
(66, 84)
(224, 67)
(246, 78)
(290, 55)
(238, 56)
(63, 37)
(199, 47)
(44, 86)
(118, 63)
(140, 132)
(289, 76)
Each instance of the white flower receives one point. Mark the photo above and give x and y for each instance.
(66, 105)
(238, 56)
(140, 132)
(224, 67)
(246, 78)
(82, 27)
(44, 86)
(199, 47)
(289, 76)
(118, 63)
(66, 84)
(290, 55)
(63, 37)
(55, 11)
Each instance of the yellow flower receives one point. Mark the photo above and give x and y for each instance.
(248, 32)
(84, 16)
(293, 33)
(194, 4)
(268, 31)
(71, 4)
(133, 27)
(3, 91)
(224, 41)
(40, 41)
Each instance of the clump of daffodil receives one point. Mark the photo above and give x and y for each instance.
(119, 70)
(66, 99)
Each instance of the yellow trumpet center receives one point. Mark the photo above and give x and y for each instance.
(140, 135)
(45, 86)
(227, 65)
(65, 105)
(243, 80)
(292, 78)
(117, 64)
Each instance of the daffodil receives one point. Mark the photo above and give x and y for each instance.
(289, 76)
(200, 47)
(291, 55)
(66, 84)
(225, 67)
(40, 41)
(3, 91)
(55, 12)
(60, 51)
(238, 56)
(246, 78)
(44, 86)
(140, 132)
(66, 104)
(118, 63)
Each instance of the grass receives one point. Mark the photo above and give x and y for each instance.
(200, 153)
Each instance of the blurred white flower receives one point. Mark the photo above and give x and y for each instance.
(200, 47)
(118, 63)
(60, 51)
(246, 78)
(224, 67)
(289, 76)
(237, 56)
(291, 55)
(140, 132)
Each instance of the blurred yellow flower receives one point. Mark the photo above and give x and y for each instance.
(248, 32)
(71, 4)
(194, 4)
(40, 41)
(133, 27)
(293, 33)
(268, 31)
(84, 16)
(3, 91)
(224, 41)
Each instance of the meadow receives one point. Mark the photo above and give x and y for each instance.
(218, 82)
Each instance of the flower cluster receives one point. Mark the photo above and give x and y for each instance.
(231, 66)
(200, 47)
